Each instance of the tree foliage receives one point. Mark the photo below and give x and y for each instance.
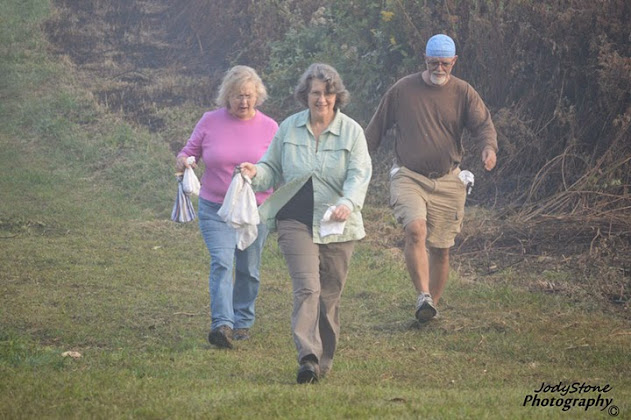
(556, 76)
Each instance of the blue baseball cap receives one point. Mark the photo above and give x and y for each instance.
(440, 46)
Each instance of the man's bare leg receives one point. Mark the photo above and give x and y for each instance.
(416, 258)
(418, 264)
(438, 271)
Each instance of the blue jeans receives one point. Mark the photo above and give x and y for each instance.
(231, 303)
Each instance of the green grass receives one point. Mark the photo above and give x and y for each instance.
(89, 262)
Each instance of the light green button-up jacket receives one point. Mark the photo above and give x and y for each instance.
(340, 169)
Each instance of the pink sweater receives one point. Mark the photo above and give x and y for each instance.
(224, 141)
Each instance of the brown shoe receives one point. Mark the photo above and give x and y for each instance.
(221, 337)
(241, 334)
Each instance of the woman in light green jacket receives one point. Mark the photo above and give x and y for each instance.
(319, 165)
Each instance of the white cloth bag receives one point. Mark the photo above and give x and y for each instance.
(190, 183)
(240, 211)
(467, 179)
(183, 210)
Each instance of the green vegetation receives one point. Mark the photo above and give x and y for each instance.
(555, 75)
(90, 263)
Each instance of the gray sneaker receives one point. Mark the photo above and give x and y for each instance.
(425, 309)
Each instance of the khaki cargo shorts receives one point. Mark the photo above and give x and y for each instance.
(440, 202)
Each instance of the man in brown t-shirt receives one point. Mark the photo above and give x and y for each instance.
(429, 111)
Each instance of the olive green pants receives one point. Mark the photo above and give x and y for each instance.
(318, 273)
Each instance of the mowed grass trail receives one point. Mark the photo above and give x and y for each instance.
(91, 263)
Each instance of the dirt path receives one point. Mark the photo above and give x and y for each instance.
(132, 56)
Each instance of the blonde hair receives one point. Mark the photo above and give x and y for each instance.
(236, 77)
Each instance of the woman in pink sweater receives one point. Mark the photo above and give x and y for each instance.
(237, 132)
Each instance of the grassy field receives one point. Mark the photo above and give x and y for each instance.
(90, 263)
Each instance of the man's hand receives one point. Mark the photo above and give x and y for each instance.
(489, 158)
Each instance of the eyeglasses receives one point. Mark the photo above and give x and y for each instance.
(437, 63)
(317, 93)
(241, 97)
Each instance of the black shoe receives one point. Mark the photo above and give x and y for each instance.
(308, 372)
(221, 337)
(241, 334)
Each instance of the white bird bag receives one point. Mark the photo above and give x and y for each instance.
(190, 183)
(240, 211)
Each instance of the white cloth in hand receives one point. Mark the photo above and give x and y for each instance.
(240, 211)
(330, 227)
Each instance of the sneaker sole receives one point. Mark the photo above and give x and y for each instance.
(425, 313)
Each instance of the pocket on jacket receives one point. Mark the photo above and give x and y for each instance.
(334, 160)
(295, 158)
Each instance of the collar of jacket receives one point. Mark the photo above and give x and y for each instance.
(335, 127)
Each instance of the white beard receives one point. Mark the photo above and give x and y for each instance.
(438, 80)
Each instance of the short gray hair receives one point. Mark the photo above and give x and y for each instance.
(328, 75)
(234, 79)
